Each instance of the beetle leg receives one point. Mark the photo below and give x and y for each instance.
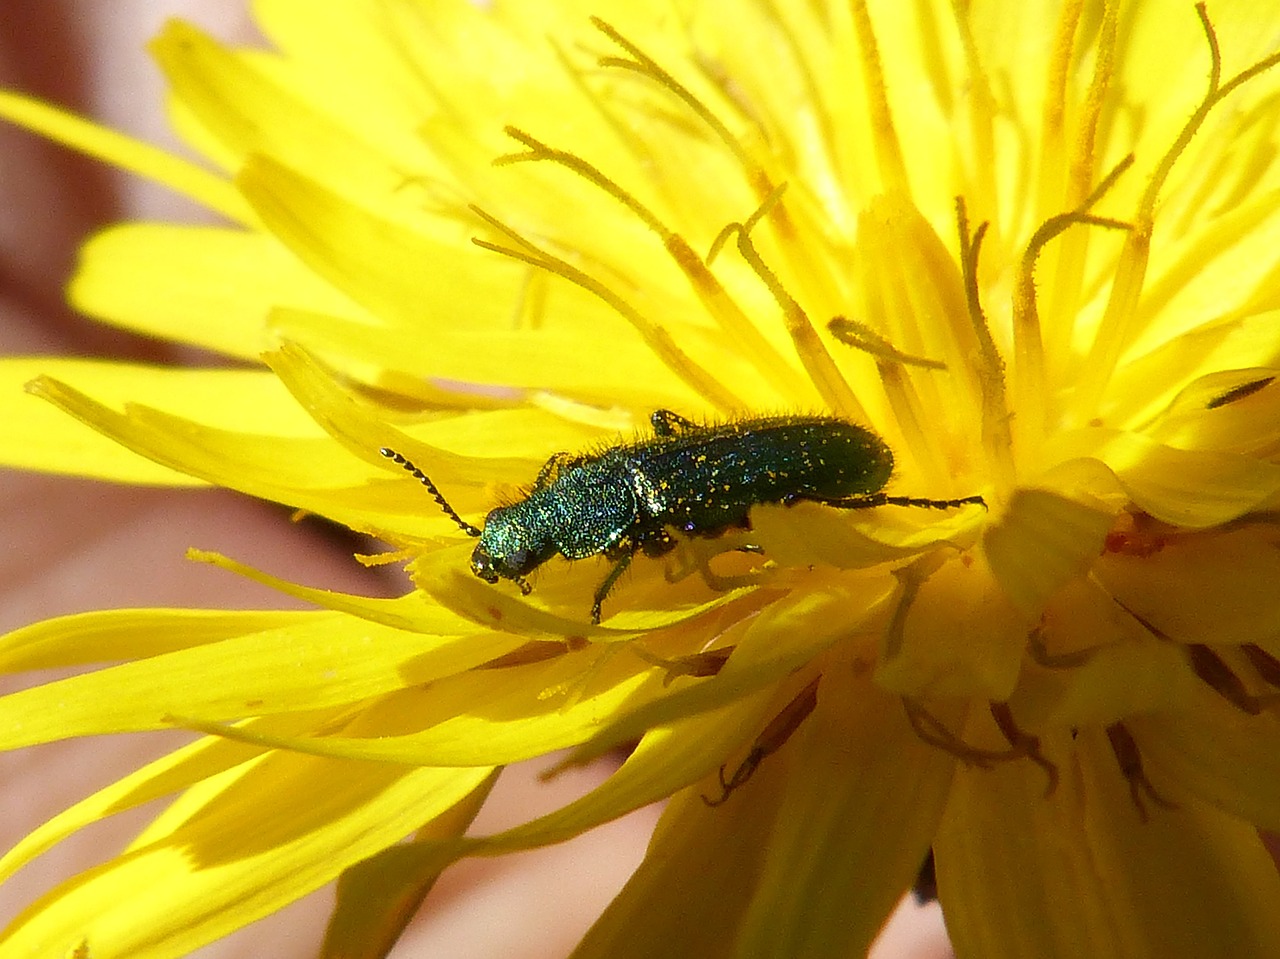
(657, 544)
(883, 499)
(667, 423)
(936, 503)
(552, 468)
(620, 567)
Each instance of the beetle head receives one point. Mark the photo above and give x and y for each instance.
(506, 551)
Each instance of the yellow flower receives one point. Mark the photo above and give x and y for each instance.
(478, 237)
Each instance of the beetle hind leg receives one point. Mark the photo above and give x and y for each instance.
(871, 500)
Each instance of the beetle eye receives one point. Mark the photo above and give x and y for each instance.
(482, 565)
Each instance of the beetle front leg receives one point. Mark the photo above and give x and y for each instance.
(620, 567)
(667, 423)
(553, 467)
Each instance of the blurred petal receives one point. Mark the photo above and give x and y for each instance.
(207, 876)
(1184, 882)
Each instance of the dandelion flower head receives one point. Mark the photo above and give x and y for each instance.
(1029, 246)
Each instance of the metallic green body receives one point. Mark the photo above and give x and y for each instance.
(698, 480)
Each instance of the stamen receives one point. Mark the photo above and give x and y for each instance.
(1031, 390)
(1024, 744)
(1239, 392)
(1263, 663)
(826, 376)
(748, 224)
(656, 337)
(758, 178)
(1053, 120)
(1040, 655)
(771, 739)
(537, 150)
(1085, 155)
(934, 732)
(1072, 254)
(983, 109)
(997, 440)
(1129, 757)
(910, 578)
(696, 665)
(605, 107)
(1119, 327)
(741, 331)
(862, 337)
(1213, 670)
(889, 160)
(900, 391)
(389, 558)
(645, 65)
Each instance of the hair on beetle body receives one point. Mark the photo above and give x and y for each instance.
(691, 478)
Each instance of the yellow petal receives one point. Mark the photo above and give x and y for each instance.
(412, 612)
(1239, 339)
(955, 633)
(314, 474)
(1079, 873)
(378, 896)
(121, 634)
(1235, 410)
(247, 109)
(36, 435)
(1191, 488)
(180, 769)
(208, 189)
(865, 790)
(656, 914)
(482, 717)
(277, 670)
(667, 760)
(377, 262)
(767, 648)
(1041, 541)
(1217, 589)
(210, 875)
(1226, 757)
(806, 534)
(1100, 667)
(206, 286)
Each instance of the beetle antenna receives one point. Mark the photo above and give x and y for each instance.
(422, 478)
